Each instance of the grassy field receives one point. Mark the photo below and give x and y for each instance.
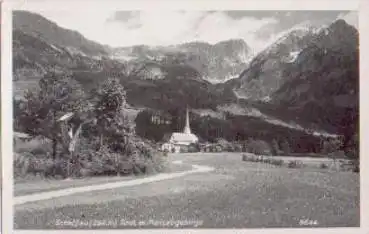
(236, 195)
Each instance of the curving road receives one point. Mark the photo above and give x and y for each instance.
(230, 193)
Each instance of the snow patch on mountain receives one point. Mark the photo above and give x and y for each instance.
(240, 95)
(215, 80)
(122, 57)
(56, 48)
(293, 56)
(299, 30)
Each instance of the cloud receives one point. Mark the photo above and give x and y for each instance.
(160, 27)
(127, 28)
(123, 15)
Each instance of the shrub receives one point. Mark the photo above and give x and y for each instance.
(267, 160)
(292, 164)
(224, 144)
(238, 148)
(183, 150)
(157, 164)
(230, 148)
(95, 163)
(352, 152)
(193, 148)
(259, 158)
(275, 147)
(259, 147)
(255, 158)
(218, 148)
(285, 147)
(250, 158)
(36, 146)
(214, 148)
(28, 163)
(331, 146)
(355, 166)
(295, 164)
(20, 162)
(276, 162)
(356, 169)
(139, 157)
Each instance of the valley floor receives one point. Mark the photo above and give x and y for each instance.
(235, 194)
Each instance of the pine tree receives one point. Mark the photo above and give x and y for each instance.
(110, 100)
(285, 147)
(275, 147)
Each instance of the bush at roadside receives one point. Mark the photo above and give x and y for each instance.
(295, 164)
(258, 147)
(139, 157)
(258, 158)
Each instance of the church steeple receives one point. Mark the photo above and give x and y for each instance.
(187, 128)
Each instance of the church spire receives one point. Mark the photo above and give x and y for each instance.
(187, 128)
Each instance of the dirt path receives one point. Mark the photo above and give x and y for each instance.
(70, 191)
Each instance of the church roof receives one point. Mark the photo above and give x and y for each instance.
(183, 138)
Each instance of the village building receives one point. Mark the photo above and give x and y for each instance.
(180, 141)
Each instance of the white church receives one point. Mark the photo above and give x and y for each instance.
(181, 140)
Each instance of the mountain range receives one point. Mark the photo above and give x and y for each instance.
(215, 63)
(308, 77)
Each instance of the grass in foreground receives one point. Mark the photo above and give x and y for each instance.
(234, 196)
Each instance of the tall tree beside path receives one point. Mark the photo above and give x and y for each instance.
(58, 94)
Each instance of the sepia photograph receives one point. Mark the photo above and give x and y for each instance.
(185, 119)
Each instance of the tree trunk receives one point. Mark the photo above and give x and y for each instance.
(101, 140)
(68, 164)
(117, 164)
(72, 146)
(55, 143)
(54, 134)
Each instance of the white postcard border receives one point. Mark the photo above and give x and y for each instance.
(95, 5)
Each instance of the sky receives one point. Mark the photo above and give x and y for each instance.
(127, 28)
